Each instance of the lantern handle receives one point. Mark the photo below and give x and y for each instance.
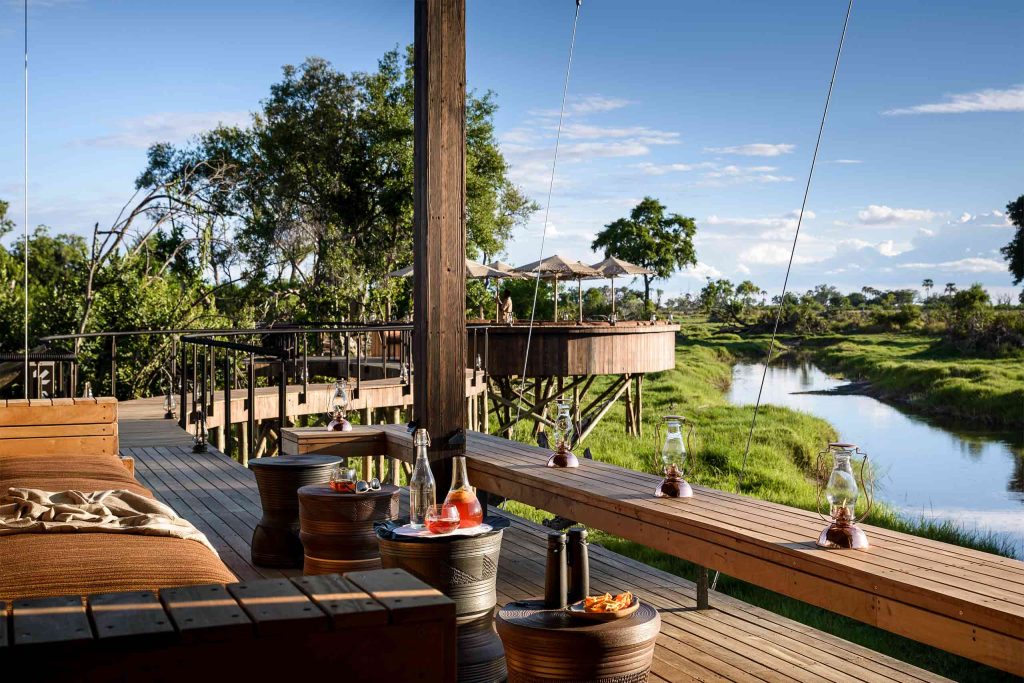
(688, 464)
(820, 486)
(868, 485)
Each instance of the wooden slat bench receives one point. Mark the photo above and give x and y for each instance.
(363, 626)
(44, 426)
(959, 600)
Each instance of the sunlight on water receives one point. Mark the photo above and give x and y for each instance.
(974, 478)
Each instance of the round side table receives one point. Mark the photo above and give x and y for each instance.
(465, 569)
(552, 645)
(336, 529)
(275, 541)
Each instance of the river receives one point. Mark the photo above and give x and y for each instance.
(974, 478)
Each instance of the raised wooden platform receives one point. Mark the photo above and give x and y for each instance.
(733, 641)
(567, 350)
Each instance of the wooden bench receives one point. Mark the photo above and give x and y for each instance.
(363, 626)
(956, 599)
(365, 442)
(52, 426)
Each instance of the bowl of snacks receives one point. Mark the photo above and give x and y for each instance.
(605, 607)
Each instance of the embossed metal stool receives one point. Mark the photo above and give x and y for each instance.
(337, 528)
(552, 645)
(275, 541)
(463, 568)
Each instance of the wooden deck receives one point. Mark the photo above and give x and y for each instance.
(731, 642)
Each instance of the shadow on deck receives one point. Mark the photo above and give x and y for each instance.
(732, 641)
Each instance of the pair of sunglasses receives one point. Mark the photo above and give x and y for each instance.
(363, 486)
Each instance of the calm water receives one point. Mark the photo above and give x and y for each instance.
(972, 477)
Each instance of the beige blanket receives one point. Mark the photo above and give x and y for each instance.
(111, 512)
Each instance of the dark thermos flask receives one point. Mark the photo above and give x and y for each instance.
(555, 573)
(579, 565)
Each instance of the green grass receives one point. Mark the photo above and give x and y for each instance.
(779, 468)
(929, 376)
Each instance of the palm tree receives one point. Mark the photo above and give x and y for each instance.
(928, 284)
(950, 288)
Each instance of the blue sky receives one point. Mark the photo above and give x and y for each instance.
(710, 106)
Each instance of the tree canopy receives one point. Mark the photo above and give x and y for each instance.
(320, 187)
(652, 238)
(1014, 251)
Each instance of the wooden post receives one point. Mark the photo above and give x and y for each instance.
(439, 221)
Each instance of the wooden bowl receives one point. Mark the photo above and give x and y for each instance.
(577, 610)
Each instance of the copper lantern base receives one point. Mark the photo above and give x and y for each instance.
(673, 485)
(563, 457)
(843, 536)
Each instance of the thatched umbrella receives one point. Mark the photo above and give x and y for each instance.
(613, 267)
(474, 270)
(557, 268)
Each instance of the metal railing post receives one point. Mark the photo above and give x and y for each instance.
(229, 437)
(113, 365)
(202, 392)
(183, 387)
(251, 405)
(282, 403)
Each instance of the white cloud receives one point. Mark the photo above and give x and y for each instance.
(586, 104)
(787, 221)
(877, 214)
(647, 168)
(964, 265)
(651, 136)
(701, 272)
(847, 161)
(756, 149)
(989, 99)
(141, 132)
(734, 175)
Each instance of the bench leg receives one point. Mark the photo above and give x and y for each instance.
(702, 587)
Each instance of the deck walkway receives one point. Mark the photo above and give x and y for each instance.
(731, 642)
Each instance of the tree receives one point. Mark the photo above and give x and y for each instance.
(650, 238)
(950, 288)
(927, 284)
(322, 188)
(1014, 251)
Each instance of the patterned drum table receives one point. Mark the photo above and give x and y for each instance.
(465, 569)
(337, 528)
(552, 645)
(275, 541)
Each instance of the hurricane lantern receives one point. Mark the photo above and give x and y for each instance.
(678, 432)
(339, 408)
(841, 492)
(169, 404)
(199, 437)
(563, 457)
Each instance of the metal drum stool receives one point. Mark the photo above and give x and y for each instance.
(336, 529)
(275, 541)
(552, 645)
(464, 568)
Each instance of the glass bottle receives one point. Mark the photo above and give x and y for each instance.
(463, 496)
(422, 490)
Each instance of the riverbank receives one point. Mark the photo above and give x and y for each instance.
(779, 468)
(927, 377)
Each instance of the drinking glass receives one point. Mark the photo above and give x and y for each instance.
(343, 478)
(442, 519)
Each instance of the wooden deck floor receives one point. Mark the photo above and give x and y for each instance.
(731, 642)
